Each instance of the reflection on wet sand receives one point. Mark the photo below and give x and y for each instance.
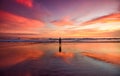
(53, 60)
(17, 74)
(64, 55)
(60, 41)
(12, 57)
(110, 58)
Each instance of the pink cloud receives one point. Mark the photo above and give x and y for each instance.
(27, 3)
(63, 22)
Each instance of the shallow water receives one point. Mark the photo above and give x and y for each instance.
(46, 59)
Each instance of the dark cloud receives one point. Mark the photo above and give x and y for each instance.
(12, 6)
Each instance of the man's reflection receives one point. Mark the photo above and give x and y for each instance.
(60, 45)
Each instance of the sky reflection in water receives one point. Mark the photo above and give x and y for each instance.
(34, 59)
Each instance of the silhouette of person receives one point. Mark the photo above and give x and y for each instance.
(60, 41)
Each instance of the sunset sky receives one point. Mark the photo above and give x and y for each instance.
(60, 18)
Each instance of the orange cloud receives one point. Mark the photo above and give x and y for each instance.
(63, 22)
(27, 3)
(11, 22)
(105, 19)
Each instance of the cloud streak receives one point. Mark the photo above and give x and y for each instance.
(14, 23)
(104, 19)
(63, 22)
